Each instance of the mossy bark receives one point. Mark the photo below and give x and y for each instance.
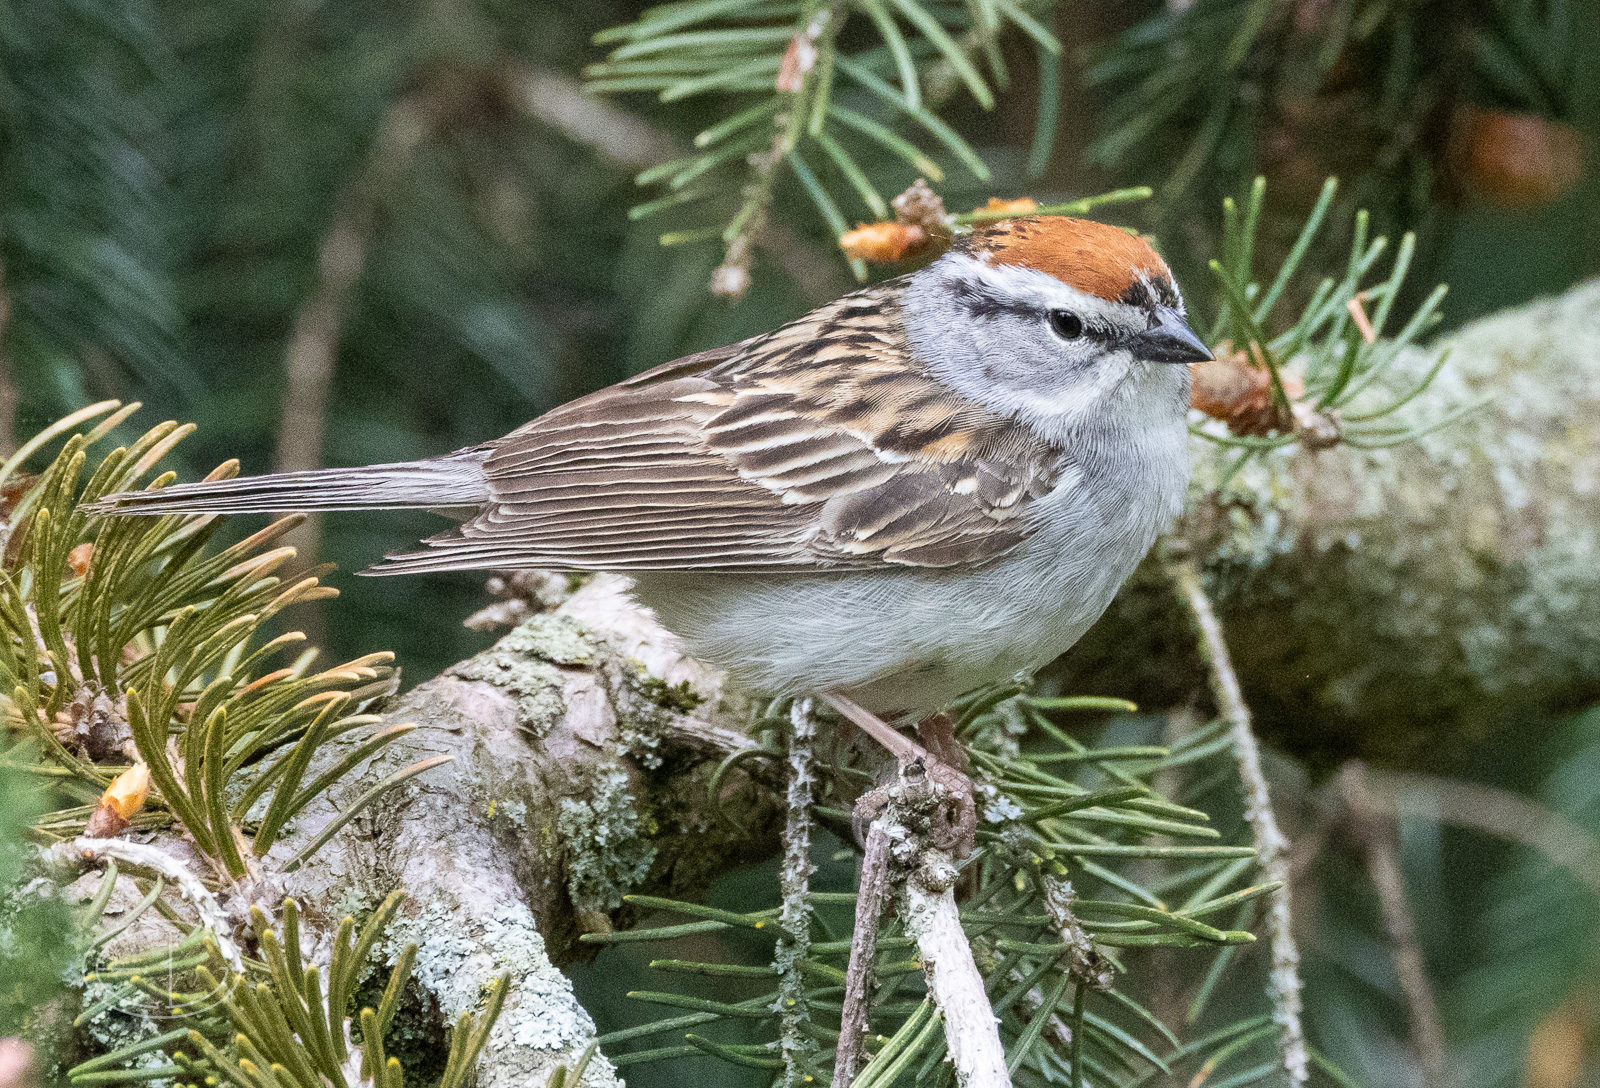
(1400, 604)
(584, 745)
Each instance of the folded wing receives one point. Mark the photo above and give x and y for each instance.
(813, 448)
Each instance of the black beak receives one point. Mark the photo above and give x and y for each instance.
(1169, 340)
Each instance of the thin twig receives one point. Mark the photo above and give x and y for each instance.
(8, 386)
(1033, 1002)
(798, 1046)
(627, 141)
(1493, 811)
(341, 259)
(1375, 831)
(152, 858)
(1084, 961)
(863, 947)
(1272, 846)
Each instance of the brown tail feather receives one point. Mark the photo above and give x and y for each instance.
(454, 480)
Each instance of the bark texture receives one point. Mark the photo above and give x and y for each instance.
(584, 743)
(1401, 604)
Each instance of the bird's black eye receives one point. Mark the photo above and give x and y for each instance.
(1066, 324)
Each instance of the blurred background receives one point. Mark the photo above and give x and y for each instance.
(359, 232)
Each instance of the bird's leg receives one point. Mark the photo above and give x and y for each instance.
(902, 747)
(960, 822)
(937, 732)
(929, 806)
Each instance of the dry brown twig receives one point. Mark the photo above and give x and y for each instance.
(871, 895)
(1375, 833)
(918, 828)
(341, 258)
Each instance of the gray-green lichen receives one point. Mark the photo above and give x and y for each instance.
(526, 664)
(607, 852)
(129, 1019)
(459, 952)
(1402, 602)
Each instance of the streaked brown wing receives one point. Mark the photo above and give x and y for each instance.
(812, 448)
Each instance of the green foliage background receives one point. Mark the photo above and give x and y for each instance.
(37, 939)
(168, 170)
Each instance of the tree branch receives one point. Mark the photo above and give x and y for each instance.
(578, 778)
(1272, 846)
(1375, 833)
(799, 1049)
(1335, 571)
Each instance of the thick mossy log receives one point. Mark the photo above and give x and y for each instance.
(1402, 603)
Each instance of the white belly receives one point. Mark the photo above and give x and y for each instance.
(912, 639)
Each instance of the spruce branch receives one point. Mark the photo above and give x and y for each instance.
(290, 1032)
(124, 639)
(1207, 91)
(312, 350)
(1325, 380)
(1272, 846)
(627, 141)
(805, 104)
(798, 79)
(154, 860)
(798, 1047)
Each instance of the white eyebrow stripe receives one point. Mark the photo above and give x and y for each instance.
(1028, 287)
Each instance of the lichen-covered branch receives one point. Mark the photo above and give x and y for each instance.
(1084, 962)
(970, 1025)
(1378, 601)
(584, 743)
(794, 917)
(1272, 845)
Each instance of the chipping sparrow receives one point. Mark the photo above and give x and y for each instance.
(926, 485)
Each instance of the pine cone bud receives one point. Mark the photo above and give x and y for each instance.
(120, 803)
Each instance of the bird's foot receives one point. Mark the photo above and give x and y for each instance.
(941, 765)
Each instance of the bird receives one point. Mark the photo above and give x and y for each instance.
(933, 483)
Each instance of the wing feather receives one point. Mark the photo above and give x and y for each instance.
(816, 447)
